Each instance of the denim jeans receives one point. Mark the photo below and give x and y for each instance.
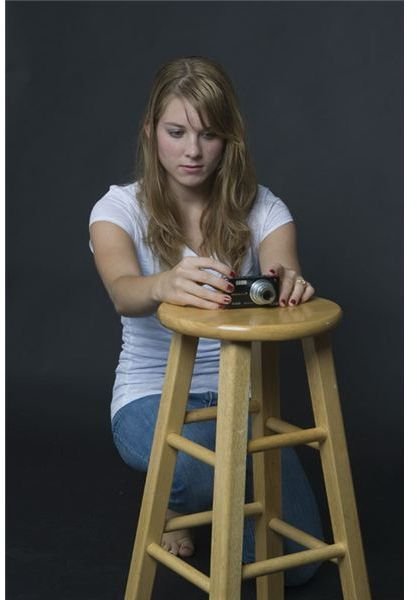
(192, 489)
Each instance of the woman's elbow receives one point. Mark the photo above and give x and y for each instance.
(125, 309)
(120, 309)
(127, 299)
(119, 304)
(118, 299)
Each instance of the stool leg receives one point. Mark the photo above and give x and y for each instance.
(161, 466)
(230, 472)
(266, 466)
(336, 468)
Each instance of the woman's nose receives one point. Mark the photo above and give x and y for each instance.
(193, 148)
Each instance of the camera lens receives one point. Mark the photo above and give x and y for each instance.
(262, 292)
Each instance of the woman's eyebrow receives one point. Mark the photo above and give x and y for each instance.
(171, 124)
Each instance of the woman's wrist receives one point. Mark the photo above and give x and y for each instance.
(156, 285)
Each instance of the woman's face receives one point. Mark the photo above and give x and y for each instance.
(188, 152)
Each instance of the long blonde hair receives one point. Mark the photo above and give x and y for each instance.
(226, 235)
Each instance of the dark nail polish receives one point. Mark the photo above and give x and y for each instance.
(230, 287)
(293, 301)
(227, 299)
(283, 303)
(272, 271)
(232, 274)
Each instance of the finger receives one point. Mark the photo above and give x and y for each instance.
(300, 290)
(198, 302)
(186, 283)
(273, 270)
(220, 283)
(287, 279)
(202, 262)
(206, 293)
(206, 271)
(296, 294)
(308, 293)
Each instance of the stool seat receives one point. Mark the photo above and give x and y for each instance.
(253, 324)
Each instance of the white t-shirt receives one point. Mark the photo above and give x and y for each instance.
(145, 342)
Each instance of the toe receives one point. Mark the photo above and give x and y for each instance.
(168, 547)
(174, 549)
(186, 548)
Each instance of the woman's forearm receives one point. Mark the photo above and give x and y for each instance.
(135, 295)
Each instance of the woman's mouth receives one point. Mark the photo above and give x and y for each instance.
(191, 168)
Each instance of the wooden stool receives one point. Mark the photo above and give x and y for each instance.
(249, 352)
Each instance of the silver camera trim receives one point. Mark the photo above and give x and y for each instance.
(258, 287)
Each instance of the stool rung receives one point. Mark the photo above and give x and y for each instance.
(205, 518)
(289, 561)
(209, 413)
(196, 450)
(179, 566)
(297, 535)
(295, 438)
(280, 426)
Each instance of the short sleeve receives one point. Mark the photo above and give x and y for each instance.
(117, 206)
(268, 213)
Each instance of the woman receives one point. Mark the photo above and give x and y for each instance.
(194, 217)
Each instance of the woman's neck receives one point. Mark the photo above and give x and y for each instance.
(187, 198)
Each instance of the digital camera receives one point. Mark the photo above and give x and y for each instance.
(254, 290)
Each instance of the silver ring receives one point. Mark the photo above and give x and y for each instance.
(302, 281)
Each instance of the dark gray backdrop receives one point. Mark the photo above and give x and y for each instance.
(320, 85)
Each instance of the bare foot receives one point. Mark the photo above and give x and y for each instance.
(177, 542)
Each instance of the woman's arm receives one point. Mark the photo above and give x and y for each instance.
(278, 256)
(134, 294)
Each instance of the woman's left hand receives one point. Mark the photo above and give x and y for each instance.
(294, 289)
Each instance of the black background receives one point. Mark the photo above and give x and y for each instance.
(321, 87)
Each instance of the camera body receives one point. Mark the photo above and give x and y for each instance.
(254, 290)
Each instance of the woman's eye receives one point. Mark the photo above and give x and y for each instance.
(209, 135)
(176, 133)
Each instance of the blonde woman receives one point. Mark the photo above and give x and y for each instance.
(194, 217)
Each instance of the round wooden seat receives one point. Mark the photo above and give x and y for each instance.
(253, 324)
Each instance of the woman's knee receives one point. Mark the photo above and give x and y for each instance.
(133, 429)
(130, 454)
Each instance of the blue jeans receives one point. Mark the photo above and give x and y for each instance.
(192, 489)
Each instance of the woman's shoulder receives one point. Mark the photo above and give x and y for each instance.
(268, 213)
(120, 206)
(121, 200)
(265, 199)
(120, 195)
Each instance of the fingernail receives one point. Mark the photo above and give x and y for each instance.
(230, 287)
(293, 301)
(272, 271)
(283, 303)
(232, 274)
(227, 299)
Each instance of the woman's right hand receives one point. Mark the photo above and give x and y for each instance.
(185, 283)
